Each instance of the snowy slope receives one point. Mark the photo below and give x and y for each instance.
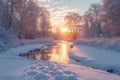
(14, 67)
(98, 58)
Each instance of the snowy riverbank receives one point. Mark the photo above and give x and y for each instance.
(6, 44)
(107, 43)
(98, 58)
(15, 67)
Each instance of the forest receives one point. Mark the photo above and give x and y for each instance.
(27, 20)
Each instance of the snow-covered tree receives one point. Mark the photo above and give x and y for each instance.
(112, 16)
(72, 20)
(44, 21)
(7, 6)
(88, 19)
(29, 19)
(22, 17)
(1, 12)
(92, 26)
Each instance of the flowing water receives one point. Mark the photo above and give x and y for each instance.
(57, 53)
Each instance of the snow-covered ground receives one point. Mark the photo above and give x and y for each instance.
(107, 43)
(104, 59)
(14, 67)
(8, 43)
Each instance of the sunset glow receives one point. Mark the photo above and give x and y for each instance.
(63, 30)
(62, 53)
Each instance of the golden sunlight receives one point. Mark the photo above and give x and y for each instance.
(63, 30)
(62, 50)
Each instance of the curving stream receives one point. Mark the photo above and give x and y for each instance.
(57, 53)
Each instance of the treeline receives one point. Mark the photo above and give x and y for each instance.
(101, 20)
(24, 18)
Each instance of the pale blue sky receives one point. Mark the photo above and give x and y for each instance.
(59, 8)
(80, 5)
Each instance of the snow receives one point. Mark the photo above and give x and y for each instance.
(6, 38)
(97, 58)
(14, 42)
(14, 67)
(107, 43)
(56, 71)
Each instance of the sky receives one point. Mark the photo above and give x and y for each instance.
(59, 8)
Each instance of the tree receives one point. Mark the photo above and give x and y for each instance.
(7, 6)
(112, 16)
(25, 15)
(92, 26)
(21, 16)
(72, 20)
(30, 19)
(88, 20)
(44, 23)
(1, 12)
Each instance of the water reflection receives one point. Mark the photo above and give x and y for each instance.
(58, 53)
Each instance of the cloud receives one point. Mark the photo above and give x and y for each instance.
(47, 6)
(44, 0)
(57, 11)
(61, 1)
(56, 3)
(57, 15)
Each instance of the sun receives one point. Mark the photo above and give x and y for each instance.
(63, 29)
